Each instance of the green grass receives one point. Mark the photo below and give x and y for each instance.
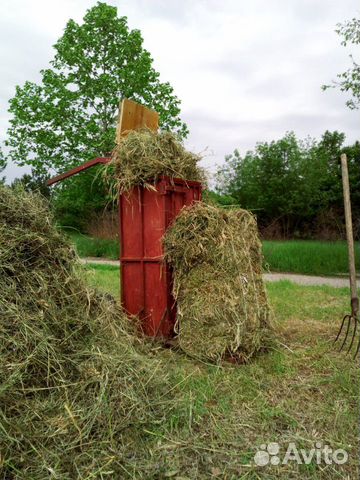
(303, 391)
(307, 257)
(295, 256)
(105, 278)
(87, 246)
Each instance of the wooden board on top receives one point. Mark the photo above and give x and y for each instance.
(134, 116)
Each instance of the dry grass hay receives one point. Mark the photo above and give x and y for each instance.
(143, 156)
(76, 390)
(221, 299)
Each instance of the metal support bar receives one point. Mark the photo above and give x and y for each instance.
(80, 168)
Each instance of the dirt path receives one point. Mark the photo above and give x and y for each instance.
(307, 279)
(100, 261)
(269, 277)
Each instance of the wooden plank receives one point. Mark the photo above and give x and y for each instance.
(133, 116)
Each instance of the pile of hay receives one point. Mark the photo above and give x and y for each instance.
(222, 309)
(76, 390)
(143, 156)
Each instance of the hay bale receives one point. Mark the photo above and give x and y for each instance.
(221, 299)
(76, 389)
(143, 156)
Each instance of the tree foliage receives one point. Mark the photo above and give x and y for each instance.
(291, 181)
(71, 115)
(77, 200)
(349, 81)
(2, 164)
(2, 160)
(34, 182)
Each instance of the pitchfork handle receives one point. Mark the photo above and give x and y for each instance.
(354, 306)
(349, 234)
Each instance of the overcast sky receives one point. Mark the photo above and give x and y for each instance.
(246, 71)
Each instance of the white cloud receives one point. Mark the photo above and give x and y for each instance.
(245, 71)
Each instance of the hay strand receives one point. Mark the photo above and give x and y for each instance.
(143, 156)
(76, 388)
(221, 299)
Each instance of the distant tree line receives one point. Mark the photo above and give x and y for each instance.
(294, 186)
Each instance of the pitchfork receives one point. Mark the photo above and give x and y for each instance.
(351, 321)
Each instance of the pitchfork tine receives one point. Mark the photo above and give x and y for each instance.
(347, 331)
(358, 348)
(340, 330)
(353, 317)
(353, 336)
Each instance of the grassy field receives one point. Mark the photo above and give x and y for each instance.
(303, 392)
(296, 256)
(94, 247)
(104, 277)
(308, 257)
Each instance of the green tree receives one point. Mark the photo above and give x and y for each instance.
(71, 115)
(349, 81)
(76, 200)
(3, 164)
(267, 179)
(212, 197)
(34, 182)
(292, 182)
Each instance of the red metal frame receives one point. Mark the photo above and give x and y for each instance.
(80, 168)
(145, 214)
(146, 279)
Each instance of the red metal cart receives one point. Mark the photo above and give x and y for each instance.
(146, 280)
(145, 214)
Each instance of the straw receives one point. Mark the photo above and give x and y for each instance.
(222, 308)
(143, 156)
(77, 383)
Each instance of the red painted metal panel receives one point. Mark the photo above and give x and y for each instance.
(132, 274)
(155, 320)
(146, 279)
(154, 222)
(131, 224)
(80, 168)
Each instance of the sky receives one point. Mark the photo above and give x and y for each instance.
(245, 71)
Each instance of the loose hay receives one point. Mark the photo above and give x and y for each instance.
(76, 390)
(143, 156)
(221, 299)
